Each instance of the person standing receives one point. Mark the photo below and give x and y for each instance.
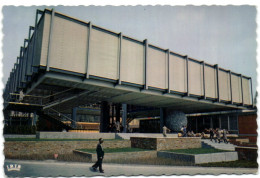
(218, 134)
(100, 156)
(225, 132)
(211, 133)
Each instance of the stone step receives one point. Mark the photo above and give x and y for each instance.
(221, 146)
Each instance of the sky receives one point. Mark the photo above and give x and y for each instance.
(224, 35)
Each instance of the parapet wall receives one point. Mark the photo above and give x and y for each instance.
(165, 143)
(16, 149)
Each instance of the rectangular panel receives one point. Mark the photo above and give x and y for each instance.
(246, 91)
(177, 74)
(156, 68)
(24, 65)
(29, 63)
(69, 45)
(210, 82)
(132, 62)
(104, 54)
(224, 86)
(195, 78)
(38, 45)
(236, 88)
(45, 39)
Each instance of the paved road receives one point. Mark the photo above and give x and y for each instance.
(69, 169)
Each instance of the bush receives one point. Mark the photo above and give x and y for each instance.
(23, 129)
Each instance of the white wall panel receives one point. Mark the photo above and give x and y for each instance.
(246, 91)
(132, 62)
(45, 39)
(195, 78)
(103, 61)
(236, 88)
(224, 86)
(210, 82)
(157, 70)
(178, 75)
(69, 45)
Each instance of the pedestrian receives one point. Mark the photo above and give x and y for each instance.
(165, 130)
(218, 134)
(211, 134)
(184, 131)
(225, 132)
(100, 156)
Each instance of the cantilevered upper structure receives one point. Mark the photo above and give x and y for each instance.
(65, 55)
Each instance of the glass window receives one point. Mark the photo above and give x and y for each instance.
(224, 122)
(233, 122)
(215, 121)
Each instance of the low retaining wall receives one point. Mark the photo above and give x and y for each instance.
(15, 149)
(151, 135)
(18, 136)
(247, 153)
(74, 135)
(200, 158)
(120, 155)
(165, 143)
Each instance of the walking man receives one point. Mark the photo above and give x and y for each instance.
(100, 157)
(165, 130)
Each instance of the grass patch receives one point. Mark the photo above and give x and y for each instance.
(114, 150)
(234, 164)
(42, 139)
(197, 151)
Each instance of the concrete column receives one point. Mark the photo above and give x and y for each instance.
(118, 112)
(124, 116)
(74, 117)
(35, 117)
(104, 116)
(162, 120)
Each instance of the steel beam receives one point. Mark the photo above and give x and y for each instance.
(120, 58)
(88, 49)
(50, 40)
(146, 65)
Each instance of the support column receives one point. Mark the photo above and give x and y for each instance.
(124, 117)
(162, 120)
(74, 117)
(35, 117)
(104, 116)
(118, 112)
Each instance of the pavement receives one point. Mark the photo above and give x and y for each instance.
(52, 168)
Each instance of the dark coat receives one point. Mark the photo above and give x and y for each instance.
(100, 152)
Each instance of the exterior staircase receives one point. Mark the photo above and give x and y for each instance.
(206, 143)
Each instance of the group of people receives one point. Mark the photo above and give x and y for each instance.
(117, 127)
(217, 134)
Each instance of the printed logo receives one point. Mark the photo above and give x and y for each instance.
(13, 167)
